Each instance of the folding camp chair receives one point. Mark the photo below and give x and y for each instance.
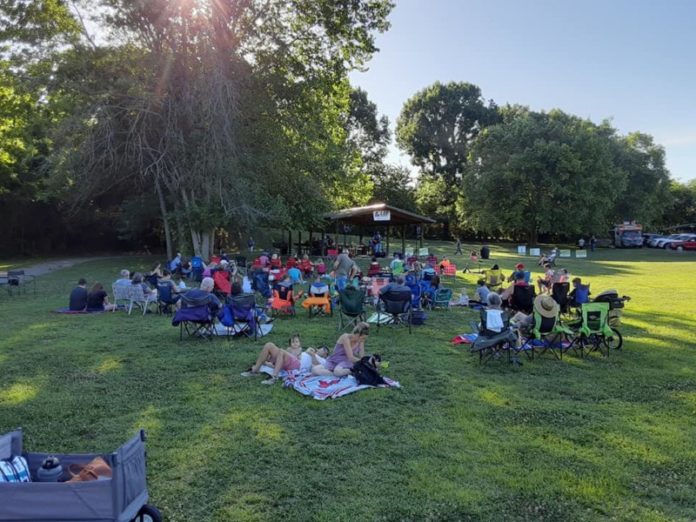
(122, 295)
(165, 299)
(593, 331)
(450, 271)
(491, 344)
(283, 301)
(241, 316)
(351, 307)
(259, 282)
(441, 298)
(548, 335)
(559, 292)
(138, 298)
(494, 278)
(397, 305)
(196, 321)
(20, 279)
(318, 304)
(522, 299)
(416, 295)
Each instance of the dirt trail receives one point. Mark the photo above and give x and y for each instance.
(51, 266)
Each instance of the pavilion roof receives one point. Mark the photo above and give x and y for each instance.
(377, 214)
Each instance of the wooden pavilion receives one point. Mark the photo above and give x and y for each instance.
(379, 216)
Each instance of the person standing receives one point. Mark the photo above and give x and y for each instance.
(458, 247)
(251, 244)
(581, 243)
(342, 266)
(377, 243)
(593, 242)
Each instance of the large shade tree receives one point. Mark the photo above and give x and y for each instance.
(229, 113)
(542, 173)
(437, 127)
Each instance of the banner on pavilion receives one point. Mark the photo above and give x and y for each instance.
(381, 215)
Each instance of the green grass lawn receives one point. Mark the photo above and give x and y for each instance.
(591, 439)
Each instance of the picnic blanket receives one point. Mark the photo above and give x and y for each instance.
(323, 387)
(68, 311)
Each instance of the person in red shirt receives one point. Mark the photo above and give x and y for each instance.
(306, 266)
(276, 262)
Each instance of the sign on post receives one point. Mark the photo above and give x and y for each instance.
(536, 252)
(564, 253)
(381, 215)
(581, 253)
(522, 250)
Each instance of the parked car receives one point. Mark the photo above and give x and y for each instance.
(686, 244)
(652, 242)
(648, 236)
(664, 241)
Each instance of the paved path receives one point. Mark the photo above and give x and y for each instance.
(51, 266)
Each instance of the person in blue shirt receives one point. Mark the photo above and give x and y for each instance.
(78, 297)
(295, 274)
(175, 264)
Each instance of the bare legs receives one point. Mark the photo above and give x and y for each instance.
(272, 354)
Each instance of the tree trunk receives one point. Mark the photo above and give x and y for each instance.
(165, 221)
(533, 237)
(202, 243)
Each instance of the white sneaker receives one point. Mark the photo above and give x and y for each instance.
(248, 374)
(270, 381)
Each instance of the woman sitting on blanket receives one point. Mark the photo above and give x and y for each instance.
(288, 360)
(349, 350)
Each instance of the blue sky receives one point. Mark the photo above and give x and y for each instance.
(630, 61)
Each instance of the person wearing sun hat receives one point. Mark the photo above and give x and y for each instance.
(546, 308)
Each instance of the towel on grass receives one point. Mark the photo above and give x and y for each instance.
(235, 329)
(467, 338)
(380, 318)
(323, 387)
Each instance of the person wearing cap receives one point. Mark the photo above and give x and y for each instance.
(519, 269)
(519, 277)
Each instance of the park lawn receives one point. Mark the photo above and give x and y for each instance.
(592, 439)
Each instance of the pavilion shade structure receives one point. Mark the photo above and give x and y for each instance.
(379, 216)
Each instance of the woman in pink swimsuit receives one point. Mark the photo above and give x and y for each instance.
(349, 349)
(288, 360)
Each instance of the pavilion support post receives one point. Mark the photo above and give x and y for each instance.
(289, 242)
(323, 244)
(388, 228)
(421, 236)
(403, 239)
(299, 243)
